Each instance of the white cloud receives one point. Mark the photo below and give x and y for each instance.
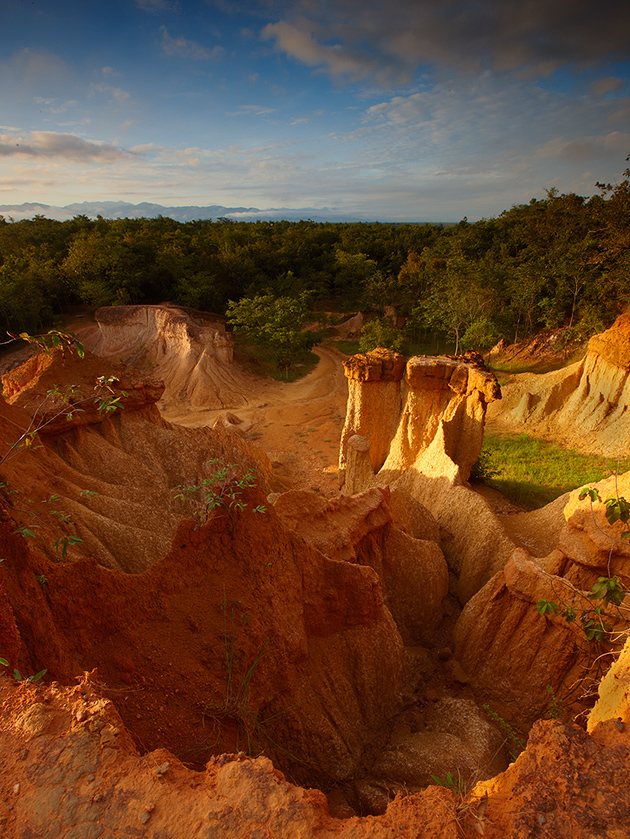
(52, 106)
(51, 144)
(188, 49)
(252, 110)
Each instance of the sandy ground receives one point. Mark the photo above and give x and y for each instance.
(297, 424)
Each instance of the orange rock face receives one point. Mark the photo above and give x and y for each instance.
(583, 406)
(190, 351)
(519, 658)
(240, 635)
(69, 765)
(360, 529)
(401, 417)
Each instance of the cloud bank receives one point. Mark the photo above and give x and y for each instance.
(50, 144)
(367, 39)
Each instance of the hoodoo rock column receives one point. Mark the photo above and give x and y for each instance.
(401, 409)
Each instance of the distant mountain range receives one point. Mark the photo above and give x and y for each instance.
(123, 209)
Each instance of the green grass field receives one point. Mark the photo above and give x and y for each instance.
(531, 472)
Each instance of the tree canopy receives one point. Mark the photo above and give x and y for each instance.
(559, 261)
(275, 323)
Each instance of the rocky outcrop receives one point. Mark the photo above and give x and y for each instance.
(596, 547)
(359, 529)
(459, 739)
(70, 767)
(419, 428)
(41, 386)
(177, 326)
(107, 489)
(374, 404)
(189, 350)
(400, 409)
(585, 406)
(560, 786)
(613, 702)
(239, 637)
(518, 658)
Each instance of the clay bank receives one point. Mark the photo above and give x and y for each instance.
(363, 663)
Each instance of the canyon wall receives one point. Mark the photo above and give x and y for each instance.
(189, 350)
(70, 767)
(585, 406)
(113, 474)
(518, 658)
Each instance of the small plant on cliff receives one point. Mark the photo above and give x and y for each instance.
(53, 339)
(72, 401)
(556, 706)
(455, 784)
(222, 490)
(36, 677)
(234, 705)
(608, 592)
(103, 397)
(515, 742)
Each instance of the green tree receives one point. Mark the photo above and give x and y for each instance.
(460, 305)
(378, 332)
(275, 323)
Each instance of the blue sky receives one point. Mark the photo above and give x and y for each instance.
(405, 110)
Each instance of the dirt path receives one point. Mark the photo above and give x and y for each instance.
(297, 424)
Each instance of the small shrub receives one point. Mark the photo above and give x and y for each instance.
(223, 490)
(516, 742)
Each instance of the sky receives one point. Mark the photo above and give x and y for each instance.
(388, 110)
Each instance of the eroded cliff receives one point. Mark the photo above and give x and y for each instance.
(585, 406)
(317, 631)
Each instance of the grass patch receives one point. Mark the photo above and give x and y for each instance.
(346, 346)
(531, 472)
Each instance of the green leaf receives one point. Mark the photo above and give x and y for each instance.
(37, 676)
(26, 532)
(4, 662)
(546, 607)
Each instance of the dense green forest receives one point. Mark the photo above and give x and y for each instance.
(560, 261)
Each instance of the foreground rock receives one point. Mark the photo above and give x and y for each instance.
(70, 768)
(520, 659)
(585, 406)
(240, 637)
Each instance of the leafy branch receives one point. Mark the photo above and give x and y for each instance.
(222, 490)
